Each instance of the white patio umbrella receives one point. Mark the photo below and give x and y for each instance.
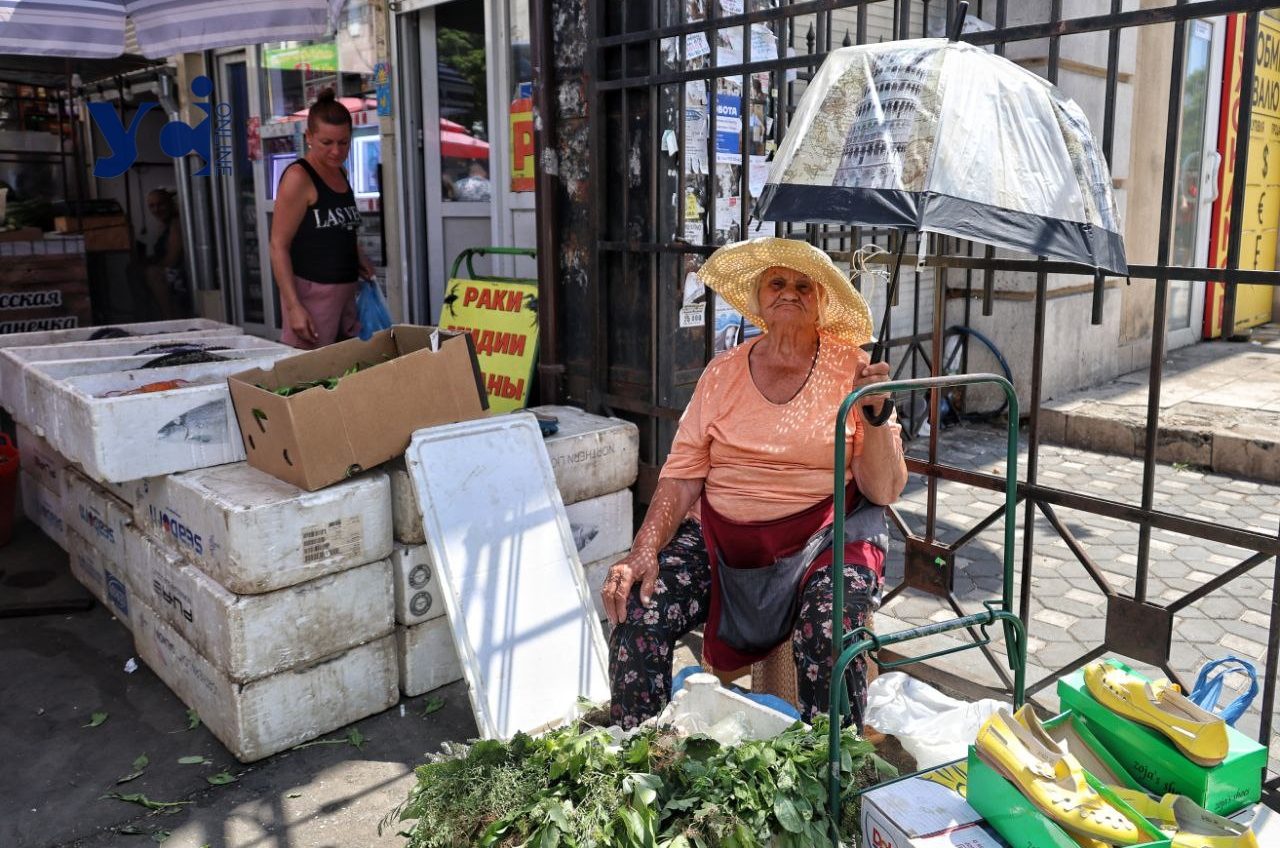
(95, 29)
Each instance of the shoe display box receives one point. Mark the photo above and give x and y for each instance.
(1160, 767)
(1016, 819)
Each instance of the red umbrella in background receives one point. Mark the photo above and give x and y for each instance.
(459, 145)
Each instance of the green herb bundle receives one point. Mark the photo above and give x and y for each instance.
(653, 790)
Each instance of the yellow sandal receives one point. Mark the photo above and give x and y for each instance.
(1053, 781)
(1197, 733)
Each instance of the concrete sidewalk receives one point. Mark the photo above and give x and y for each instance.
(56, 670)
(1219, 409)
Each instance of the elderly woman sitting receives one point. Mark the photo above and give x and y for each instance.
(755, 452)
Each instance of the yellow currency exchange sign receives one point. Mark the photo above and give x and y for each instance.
(502, 318)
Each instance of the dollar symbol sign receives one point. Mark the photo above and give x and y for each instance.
(1266, 150)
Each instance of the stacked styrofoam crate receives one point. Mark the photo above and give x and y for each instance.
(595, 460)
(267, 609)
(110, 419)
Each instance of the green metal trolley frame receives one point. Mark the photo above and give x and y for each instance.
(862, 640)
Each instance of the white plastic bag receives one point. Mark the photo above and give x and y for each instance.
(932, 727)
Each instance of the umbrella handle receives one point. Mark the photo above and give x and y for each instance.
(957, 26)
(875, 419)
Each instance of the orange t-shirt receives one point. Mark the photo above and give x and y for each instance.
(763, 460)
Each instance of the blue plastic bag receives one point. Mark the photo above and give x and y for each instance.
(1208, 688)
(371, 309)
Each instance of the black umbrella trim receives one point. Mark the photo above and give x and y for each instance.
(1070, 241)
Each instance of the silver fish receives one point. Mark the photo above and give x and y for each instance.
(204, 424)
(582, 535)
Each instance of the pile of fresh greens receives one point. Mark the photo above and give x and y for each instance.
(652, 790)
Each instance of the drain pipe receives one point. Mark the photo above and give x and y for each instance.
(196, 256)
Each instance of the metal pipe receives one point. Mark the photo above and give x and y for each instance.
(1238, 177)
(546, 202)
(183, 165)
(1161, 307)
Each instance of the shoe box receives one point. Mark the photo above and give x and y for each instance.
(926, 811)
(1226, 788)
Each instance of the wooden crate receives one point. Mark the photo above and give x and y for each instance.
(48, 292)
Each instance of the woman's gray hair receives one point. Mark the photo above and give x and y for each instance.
(753, 301)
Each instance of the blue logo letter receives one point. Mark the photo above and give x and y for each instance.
(177, 139)
(123, 143)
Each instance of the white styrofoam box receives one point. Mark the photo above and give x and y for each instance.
(428, 659)
(43, 508)
(155, 330)
(590, 454)
(254, 533)
(925, 811)
(271, 714)
(601, 527)
(251, 636)
(105, 579)
(417, 589)
(406, 518)
(144, 329)
(703, 702)
(595, 573)
(118, 439)
(599, 523)
(515, 596)
(37, 396)
(97, 515)
(13, 360)
(38, 458)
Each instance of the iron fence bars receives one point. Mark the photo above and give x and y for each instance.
(642, 364)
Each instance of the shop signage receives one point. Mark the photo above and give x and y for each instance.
(502, 317)
(312, 58)
(177, 138)
(523, 156)
(1262, 175)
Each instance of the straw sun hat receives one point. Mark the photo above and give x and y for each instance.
(734, 271)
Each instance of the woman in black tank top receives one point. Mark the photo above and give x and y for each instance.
(315, 255)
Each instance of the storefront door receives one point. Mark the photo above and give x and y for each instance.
(465, 107)
(241, 251)
(457, 129)
(1197, 176)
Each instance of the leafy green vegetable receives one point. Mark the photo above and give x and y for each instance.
(139, 766)
(432, 705)
(194, 760)
(356, 738)
(143, 800)
(222, 778)
(96, 719)
(586, 789)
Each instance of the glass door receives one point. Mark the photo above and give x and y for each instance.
(243, 246)
(1196, 186)
(457, 128)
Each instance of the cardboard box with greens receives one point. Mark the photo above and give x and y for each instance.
(321, 416)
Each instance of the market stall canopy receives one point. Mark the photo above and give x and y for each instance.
(940, 136)
(96, 28)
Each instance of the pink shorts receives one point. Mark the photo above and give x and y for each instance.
(333, 311)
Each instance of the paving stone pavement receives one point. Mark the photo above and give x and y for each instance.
(1067, 613)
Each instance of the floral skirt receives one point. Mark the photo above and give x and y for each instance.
(640, 648)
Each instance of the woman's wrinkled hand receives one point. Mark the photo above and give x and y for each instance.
(639, 565)
(868, 375)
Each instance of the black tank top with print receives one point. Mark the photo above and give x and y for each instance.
(324, 247)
